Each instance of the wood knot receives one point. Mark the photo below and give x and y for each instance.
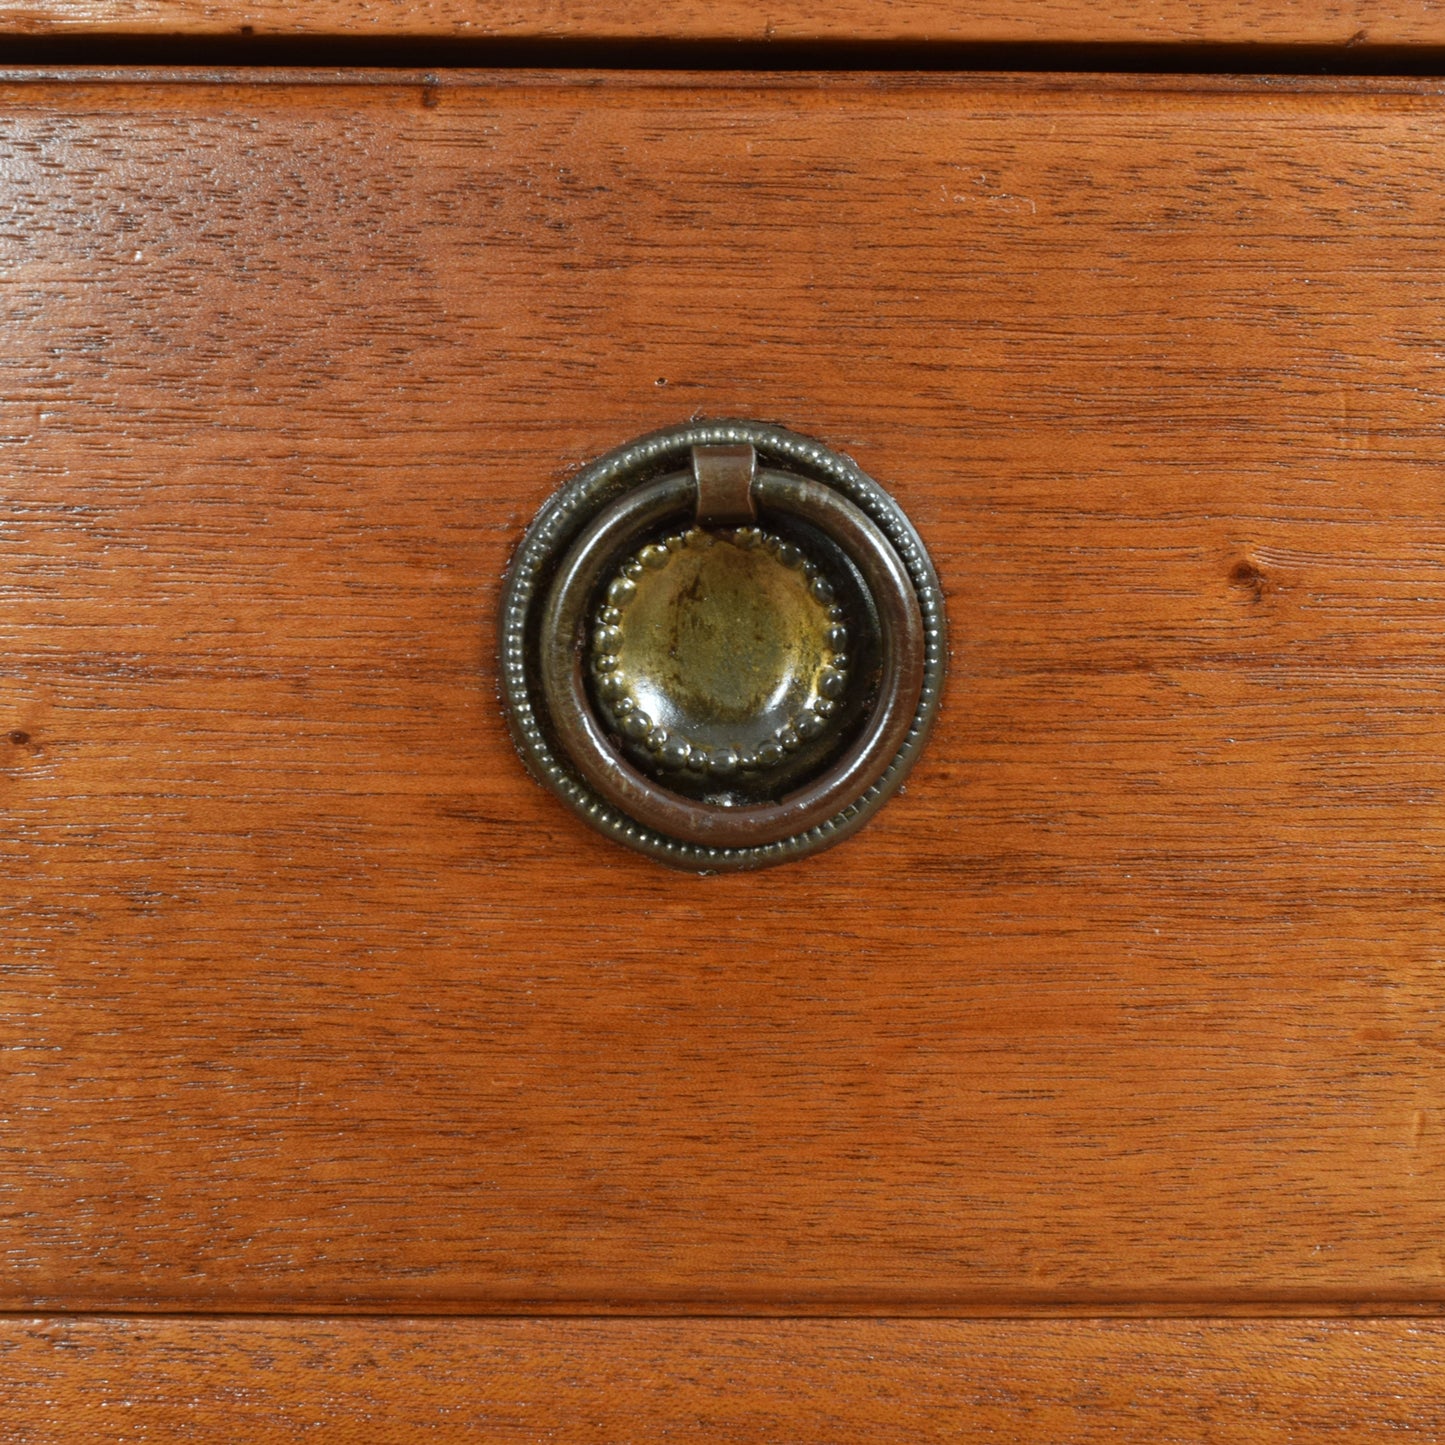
(1246, 575)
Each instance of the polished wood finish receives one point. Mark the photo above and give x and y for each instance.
(312, 999)
(1355, 24)
(808, 1382)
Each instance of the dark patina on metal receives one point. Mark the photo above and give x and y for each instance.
(722, 645)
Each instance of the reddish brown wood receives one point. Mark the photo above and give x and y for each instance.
(805, 1381)
(313, 999)
(1355, 23)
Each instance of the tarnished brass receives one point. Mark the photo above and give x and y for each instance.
(722, 645)
(725, 477)
(738, 819)
(720, 653)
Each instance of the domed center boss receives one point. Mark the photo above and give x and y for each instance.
(722, 645)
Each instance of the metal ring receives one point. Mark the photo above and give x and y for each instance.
(602, 763)
(545, 601)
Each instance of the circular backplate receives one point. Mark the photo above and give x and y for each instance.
(530, 652)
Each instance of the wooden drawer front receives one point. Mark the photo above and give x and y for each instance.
(313, 999)
(813, 1382)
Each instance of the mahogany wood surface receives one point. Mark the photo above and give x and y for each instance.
(807, 1382)
(313, 1000)
(1352, 23)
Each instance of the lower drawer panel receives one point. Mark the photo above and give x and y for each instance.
(805, 1381)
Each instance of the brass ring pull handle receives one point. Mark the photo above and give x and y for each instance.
(728, 664)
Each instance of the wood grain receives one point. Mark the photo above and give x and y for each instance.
(313, 1000)
(1354, 23)
(813, 1382)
